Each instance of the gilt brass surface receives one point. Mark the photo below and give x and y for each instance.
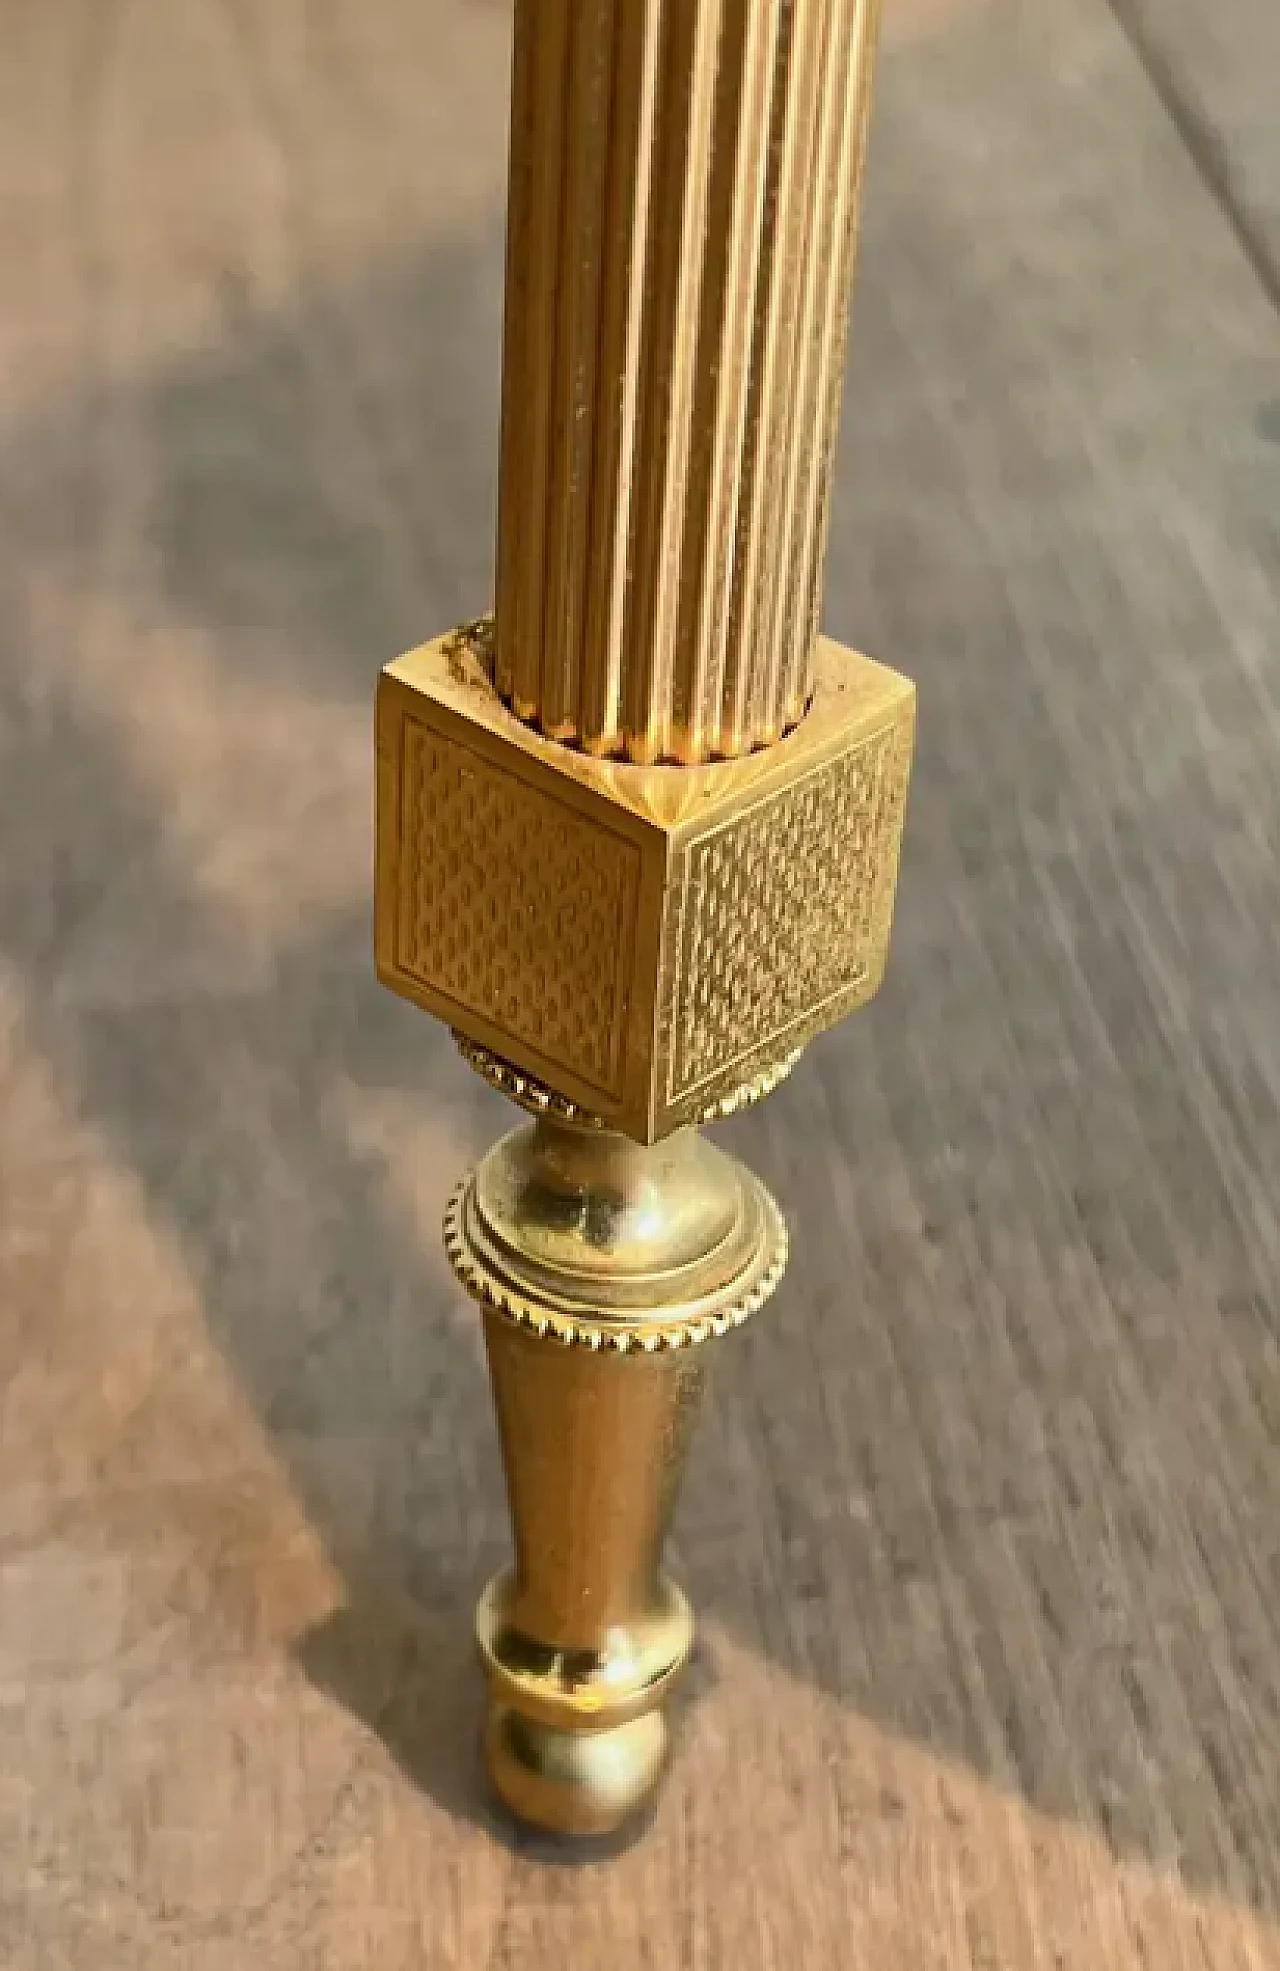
(638, 834)
(680, 241)
(643, 940)
(603, 1266)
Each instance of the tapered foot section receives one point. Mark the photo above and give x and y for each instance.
(574, 1782)
(603, 1268)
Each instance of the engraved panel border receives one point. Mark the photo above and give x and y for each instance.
(514, 905)
(784, 909)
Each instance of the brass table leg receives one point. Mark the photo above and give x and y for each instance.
(638, 833)
(603, 1268)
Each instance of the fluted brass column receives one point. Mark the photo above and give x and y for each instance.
(638, 833)
(682, 211)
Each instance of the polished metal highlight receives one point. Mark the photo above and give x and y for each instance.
(638, 834)
(602, 1266)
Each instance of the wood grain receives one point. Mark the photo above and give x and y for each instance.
(1214, 71)
(983, 1522)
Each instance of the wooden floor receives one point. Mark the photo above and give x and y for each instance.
(984, 1523)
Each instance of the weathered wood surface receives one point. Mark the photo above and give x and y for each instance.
(985, 1521)
(1217, 72)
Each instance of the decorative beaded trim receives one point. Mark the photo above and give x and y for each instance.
(539, 1100)
(573, 1331)
(521, 1088)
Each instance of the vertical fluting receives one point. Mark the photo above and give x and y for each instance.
(681, 230)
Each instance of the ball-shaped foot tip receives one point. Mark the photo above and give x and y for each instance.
(574, 1782)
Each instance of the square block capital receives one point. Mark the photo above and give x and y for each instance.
(642, 939)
